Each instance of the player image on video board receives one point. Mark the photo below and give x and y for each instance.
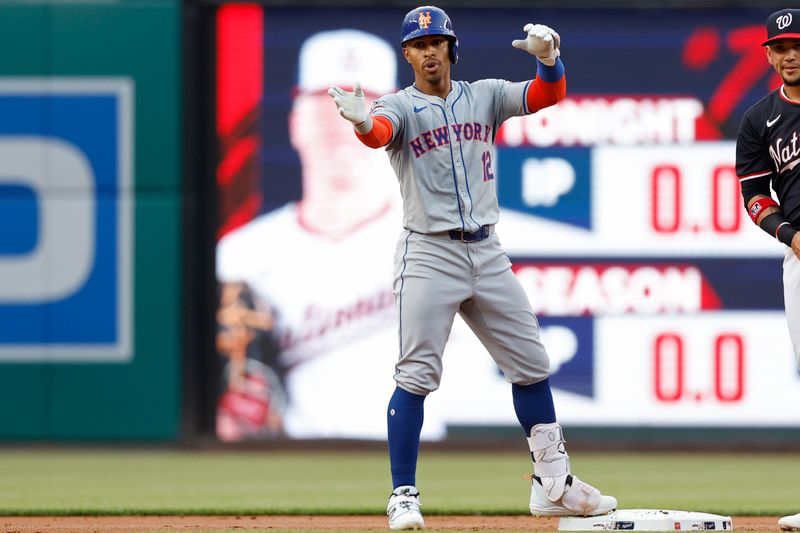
(331, 291)
(620, 208)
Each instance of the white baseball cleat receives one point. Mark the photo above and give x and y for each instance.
(790, 523)
(578, 499)
(403, 509)
(554, 490)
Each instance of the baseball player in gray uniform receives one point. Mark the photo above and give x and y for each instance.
(439, 136)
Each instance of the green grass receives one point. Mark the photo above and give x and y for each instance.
(155, 482)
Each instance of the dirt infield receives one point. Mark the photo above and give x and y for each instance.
(120, 524)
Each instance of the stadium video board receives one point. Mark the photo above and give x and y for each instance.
(660, 303)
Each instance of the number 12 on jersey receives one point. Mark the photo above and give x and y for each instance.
(487, 166)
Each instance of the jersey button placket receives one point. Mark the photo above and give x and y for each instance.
(459, 170)
(462, 188)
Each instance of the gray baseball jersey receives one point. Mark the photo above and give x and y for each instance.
(441, 151)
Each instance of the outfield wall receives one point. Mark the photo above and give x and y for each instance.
(90, 200)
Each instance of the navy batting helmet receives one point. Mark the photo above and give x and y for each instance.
(430, 20)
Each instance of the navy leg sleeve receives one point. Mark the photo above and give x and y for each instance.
(404, 418)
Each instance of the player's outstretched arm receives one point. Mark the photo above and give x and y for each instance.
(541, 41)
(351, 106)
(373, 133)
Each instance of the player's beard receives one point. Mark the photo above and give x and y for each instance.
(792, 80)
(791, 83)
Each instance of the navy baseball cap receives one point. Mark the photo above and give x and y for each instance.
(783, 24)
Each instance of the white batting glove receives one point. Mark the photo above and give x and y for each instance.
(351, 105)
(542, 42)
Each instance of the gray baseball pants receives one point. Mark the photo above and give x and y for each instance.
(437, 277)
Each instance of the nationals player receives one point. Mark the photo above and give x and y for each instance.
(768, 153)
(439, 136)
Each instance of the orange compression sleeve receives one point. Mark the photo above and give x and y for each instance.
(379, 135)
(543, 94)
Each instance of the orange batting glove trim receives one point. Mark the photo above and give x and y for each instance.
(379, 135)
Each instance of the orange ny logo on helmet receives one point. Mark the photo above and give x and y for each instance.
(424, 19)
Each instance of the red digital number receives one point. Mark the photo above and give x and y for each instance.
(729, 367)
(669, 362)
(668, 375)
(726, 198)
(665, 198)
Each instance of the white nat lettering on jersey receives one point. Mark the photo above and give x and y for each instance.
(592, 121)
(437, 137)
(589, 290)
(785, 157)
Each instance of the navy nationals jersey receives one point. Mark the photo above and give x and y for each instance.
(768, 150)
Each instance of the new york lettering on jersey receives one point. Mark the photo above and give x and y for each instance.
(442, 151)
(431, 139)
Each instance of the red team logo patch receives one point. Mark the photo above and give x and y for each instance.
(424, 19)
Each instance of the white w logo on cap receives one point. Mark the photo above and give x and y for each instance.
(784, 20)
